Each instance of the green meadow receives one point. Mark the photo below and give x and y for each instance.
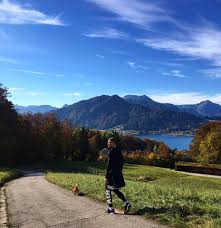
(163, 195)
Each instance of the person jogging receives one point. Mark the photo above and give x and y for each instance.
(114, 179)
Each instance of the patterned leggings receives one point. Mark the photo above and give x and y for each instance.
(109, 189)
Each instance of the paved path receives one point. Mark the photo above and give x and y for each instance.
(35, 203)
(200, 174)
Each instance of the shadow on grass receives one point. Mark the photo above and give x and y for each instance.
(66, 167)
(150, 211)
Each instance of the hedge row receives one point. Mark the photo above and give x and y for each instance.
(214, 169)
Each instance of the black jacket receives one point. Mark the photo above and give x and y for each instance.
(114, 173)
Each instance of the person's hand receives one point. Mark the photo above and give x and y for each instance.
(105, 180)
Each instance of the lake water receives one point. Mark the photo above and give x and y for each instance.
(180, 142)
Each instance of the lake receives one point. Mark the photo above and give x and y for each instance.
(180, 142)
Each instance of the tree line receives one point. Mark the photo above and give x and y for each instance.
(26, 139)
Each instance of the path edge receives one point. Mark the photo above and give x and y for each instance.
(3, 209)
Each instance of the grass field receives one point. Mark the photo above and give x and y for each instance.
(171, 198)
(7, 174)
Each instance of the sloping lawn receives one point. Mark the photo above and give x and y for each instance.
(171, 198)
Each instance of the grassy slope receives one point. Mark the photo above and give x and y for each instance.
(7, 174)
(172, 198)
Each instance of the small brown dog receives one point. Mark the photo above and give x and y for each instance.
(75, 189)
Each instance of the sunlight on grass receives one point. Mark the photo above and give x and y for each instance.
(171, 198)
(7, 174)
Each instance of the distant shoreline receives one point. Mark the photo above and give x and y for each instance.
(175, 133)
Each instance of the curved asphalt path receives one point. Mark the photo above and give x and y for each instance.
(33, 202)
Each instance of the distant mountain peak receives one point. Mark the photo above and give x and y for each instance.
(141, 98)
(204, 108)
(138, 96)
(116, 96)
(206, 102)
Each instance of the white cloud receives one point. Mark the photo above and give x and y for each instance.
(15, 13)
(203, 42)
(174, 73)
(212, 72)
(141, 13)
(185, 97)
(110, 33)
(190, 42)
(72, 94)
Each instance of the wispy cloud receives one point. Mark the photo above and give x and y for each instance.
(110, 33)
(131, 64)
(141, 13)
(7, 60)
(165, 63)
(174, 73)
(15, 13)
(185, 97)
(38, 73)
(34, 93)
(117, 52)
(16, 91)
(75, 94)
(203, 42)
(28, 71)
(212, 72)
(186, 59)
(136, 66)
(99, 56)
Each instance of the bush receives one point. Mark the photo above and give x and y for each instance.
(198, 168)
(182, 155)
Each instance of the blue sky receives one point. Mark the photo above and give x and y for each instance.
(59, 52)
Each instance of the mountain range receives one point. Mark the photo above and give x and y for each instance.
(204, 108)
(128, 113)
(132, 112)
(34, 109)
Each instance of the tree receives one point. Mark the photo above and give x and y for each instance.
(8, 125)
(206, 145)
(83, 143)
(95, 145)
(66, 140)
